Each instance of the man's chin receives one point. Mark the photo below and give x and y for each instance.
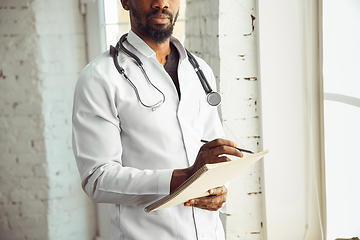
(160, 27)
(158, 33)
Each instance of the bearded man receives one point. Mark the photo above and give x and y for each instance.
(137, 135)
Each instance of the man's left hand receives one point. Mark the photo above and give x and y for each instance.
(213, 202)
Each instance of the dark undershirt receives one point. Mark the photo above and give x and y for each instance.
(171, 66)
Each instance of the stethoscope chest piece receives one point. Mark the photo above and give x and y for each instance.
(213, 98)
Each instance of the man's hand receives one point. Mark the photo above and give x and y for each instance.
(213, 202)
(211, 152)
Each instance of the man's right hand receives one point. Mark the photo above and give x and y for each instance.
(211, 152)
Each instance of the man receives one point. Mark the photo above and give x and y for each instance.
(130, 155)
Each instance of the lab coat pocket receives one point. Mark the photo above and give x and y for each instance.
(154, 225)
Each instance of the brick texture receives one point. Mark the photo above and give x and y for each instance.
(223, 33)
(24, 189)
(42, 50)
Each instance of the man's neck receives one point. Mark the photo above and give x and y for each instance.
(161, 49)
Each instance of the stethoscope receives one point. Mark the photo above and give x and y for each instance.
(212, 97)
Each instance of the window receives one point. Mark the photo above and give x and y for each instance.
(342, 116)
(291, 121)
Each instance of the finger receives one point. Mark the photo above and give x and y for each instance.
(212, 203)
(211, 157)
(210, 207)
(218, 191)
(207, 201)
(224, 149)
(190, 202)
(211, 160)
(219, 142)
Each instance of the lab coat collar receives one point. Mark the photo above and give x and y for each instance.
(179, 47)
(144, 49)
(140, 45)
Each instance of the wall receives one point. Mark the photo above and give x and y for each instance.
(42, 52)
(224, 34)
(202, 31)
(240, 113)
(24, 183)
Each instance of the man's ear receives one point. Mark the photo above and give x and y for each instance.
(125, 4)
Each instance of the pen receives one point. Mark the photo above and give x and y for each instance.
(240, 149)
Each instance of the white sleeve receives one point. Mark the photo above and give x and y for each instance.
(97, 147)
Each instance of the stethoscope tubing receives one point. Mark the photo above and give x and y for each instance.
(213, 98)
(199, 72)
(115, 52)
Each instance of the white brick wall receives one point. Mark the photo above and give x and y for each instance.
(24, 190)
(239, 86)
(224, 34)
(42, 51)
(202, 32)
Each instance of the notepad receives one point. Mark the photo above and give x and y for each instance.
(208, 177)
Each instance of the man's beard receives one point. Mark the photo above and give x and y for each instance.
(159, 34)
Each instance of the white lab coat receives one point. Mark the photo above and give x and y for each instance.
(126, 153)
